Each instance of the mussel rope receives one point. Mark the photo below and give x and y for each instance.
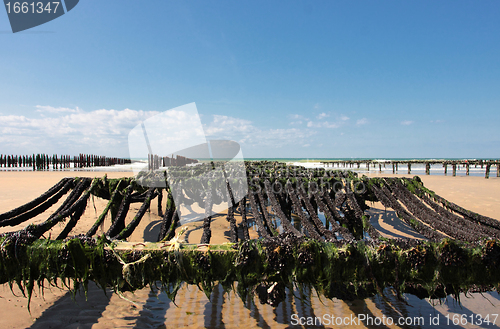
(314, 216)
(244, 221)
(119, 221)
(419, 227)
(427, 215)
(331, 219)
(39, 200)
(232, 222)
(167, 217)
(39, 229)
(127, 231)
(297, 207)
(263, 208)
(39, 209)
(278, 211)
(75, 217)
(263, 231)
(99, 220)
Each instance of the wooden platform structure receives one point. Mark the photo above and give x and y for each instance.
(378, 164)
(313, 232)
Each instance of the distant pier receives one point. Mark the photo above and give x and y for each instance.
(396, 164)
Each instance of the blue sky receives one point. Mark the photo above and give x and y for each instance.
(284, 79)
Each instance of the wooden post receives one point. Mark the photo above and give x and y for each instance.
(487, 173)
(368, 166)
(409, 168)
(467, 169)
(396, 167)
(379, 167)
(427, 168)
(445, 165)
(498, 168)
(160, 200)
(393, 168)
(454, 165)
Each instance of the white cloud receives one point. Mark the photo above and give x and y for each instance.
(322, 116)
(73, 130)
(317, 106)
(247, 134)
(362, 121)
(70, 131)
(296, 117)
(50, 109)
(228, 125)
(339, 122)
(406, 122)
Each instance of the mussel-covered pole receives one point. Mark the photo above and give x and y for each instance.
(409, 168)
(445, 165)
(454, 166)
(427, 168)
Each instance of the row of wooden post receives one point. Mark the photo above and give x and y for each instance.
(58, 162)
(155, 161)
(455, 164)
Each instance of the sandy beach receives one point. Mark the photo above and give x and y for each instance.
(151, 309)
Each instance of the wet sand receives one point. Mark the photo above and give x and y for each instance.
(151, 309)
